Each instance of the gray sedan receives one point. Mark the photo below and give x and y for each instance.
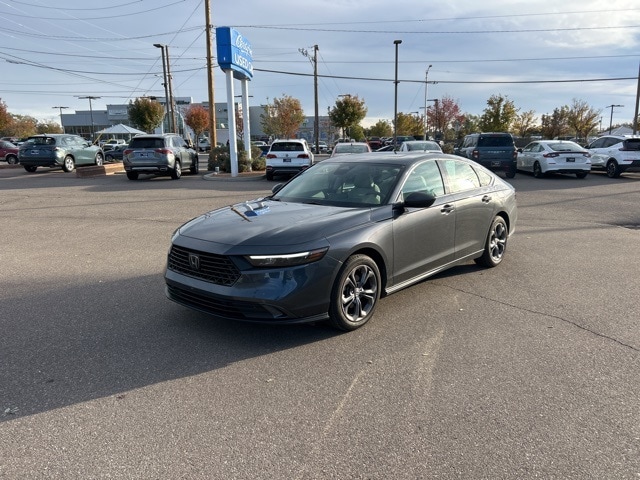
(335, 238)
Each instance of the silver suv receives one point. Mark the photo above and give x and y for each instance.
(161, 154)
(616, 154)
(286, 157)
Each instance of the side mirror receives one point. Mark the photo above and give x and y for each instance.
(276, 188)
(519, 150)
(419, 200)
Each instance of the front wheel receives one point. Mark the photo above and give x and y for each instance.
(176, 173)
(99, 159)
(355, 294)
(108, 157)
(30, 168)
(613, 170)
(496, 244)
(68, 165)
(11, 159)
(132, 175)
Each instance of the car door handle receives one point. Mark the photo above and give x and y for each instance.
(446, 209)
(486, 199)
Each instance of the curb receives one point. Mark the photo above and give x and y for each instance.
(242, 177)
(95, 170)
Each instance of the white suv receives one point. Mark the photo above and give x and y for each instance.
(287, 157)
(616, 154)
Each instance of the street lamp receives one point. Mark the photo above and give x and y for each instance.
(395, 100)
(61, 108)
(611, 118)
(90, 97)
(426, 84)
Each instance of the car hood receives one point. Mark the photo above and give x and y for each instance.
(267, 222)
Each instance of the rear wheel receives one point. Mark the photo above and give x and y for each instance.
(581, 174)
(30, 168)
(195, 168)
(176, 173)
(355, 294)
(269, 176)
(511, 172)
(537, 170)
(68, 165)
(11, 159)
(613, 170)
(496, 244)
(132, 175)
(108, 157)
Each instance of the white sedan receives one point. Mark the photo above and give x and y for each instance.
(420, 146)
(554, 156)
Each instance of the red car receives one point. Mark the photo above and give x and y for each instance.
(8, 152)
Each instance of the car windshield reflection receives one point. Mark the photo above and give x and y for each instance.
(342, 184)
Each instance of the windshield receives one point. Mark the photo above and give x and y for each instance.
(361, 184)
(565, 147)
(411, 146)
(495, 141)
(351, 148)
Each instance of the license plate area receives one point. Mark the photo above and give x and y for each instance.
(286, 160)
(571, 159)
(495, 163)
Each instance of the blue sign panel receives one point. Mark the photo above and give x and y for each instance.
(234, 53)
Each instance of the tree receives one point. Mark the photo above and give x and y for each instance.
(5, 119)
(197, 118)
(469, 124)
(556, 124)
(410, 124)
(582, 118)
(524, 123)
(349, 110)
(145, 114)
(282, 118)
(442, 114)
(48, 126)
(382, 128)
(499, 114)
(22, 125)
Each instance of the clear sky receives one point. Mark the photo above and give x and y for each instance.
(540, 54)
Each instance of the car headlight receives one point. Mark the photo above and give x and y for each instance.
(287, 260)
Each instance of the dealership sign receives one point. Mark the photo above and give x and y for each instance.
(234, 53)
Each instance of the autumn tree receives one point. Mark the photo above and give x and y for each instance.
(556, 124)
(48, 126)
(282, 118)
(469, 124)
(5, 119)
(582, 118)
(349, 110)
(145, 113)
(442, 114)
(524, 123)
(499, 114)
(22, 125)
(410, 124)
(382, 128)
(197, 118)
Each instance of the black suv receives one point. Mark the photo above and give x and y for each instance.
(162, 154)
(495, 151)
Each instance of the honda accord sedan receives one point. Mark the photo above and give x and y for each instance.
(332, 241)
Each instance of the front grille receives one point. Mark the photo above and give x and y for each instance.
(223, 307)
(217, 269)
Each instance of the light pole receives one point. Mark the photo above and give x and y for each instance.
(611, 118)
(61, 108)
(90, 97)
(395, 99)
(165, 84)
(426, 85)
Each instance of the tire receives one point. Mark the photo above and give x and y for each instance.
(30, 168)
(613, 170)
(11, 159)
(99, 160)
(581, 174)
(511, 173)
(195, 167)
(495, 245)
(68, 165)
(108, 158)
(355, 294)
(270, 176)
(176, 173)
(537, 170)
(132, 175)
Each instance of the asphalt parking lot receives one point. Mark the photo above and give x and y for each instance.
(528, 370)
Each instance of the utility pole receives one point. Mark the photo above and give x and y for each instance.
(395, 100)
(165, 84)
(212, 105)
(611, 118)
(426, 85)
(61, 117)
(90, 97)
(314, 60)
(174, 125)
(635, 115)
